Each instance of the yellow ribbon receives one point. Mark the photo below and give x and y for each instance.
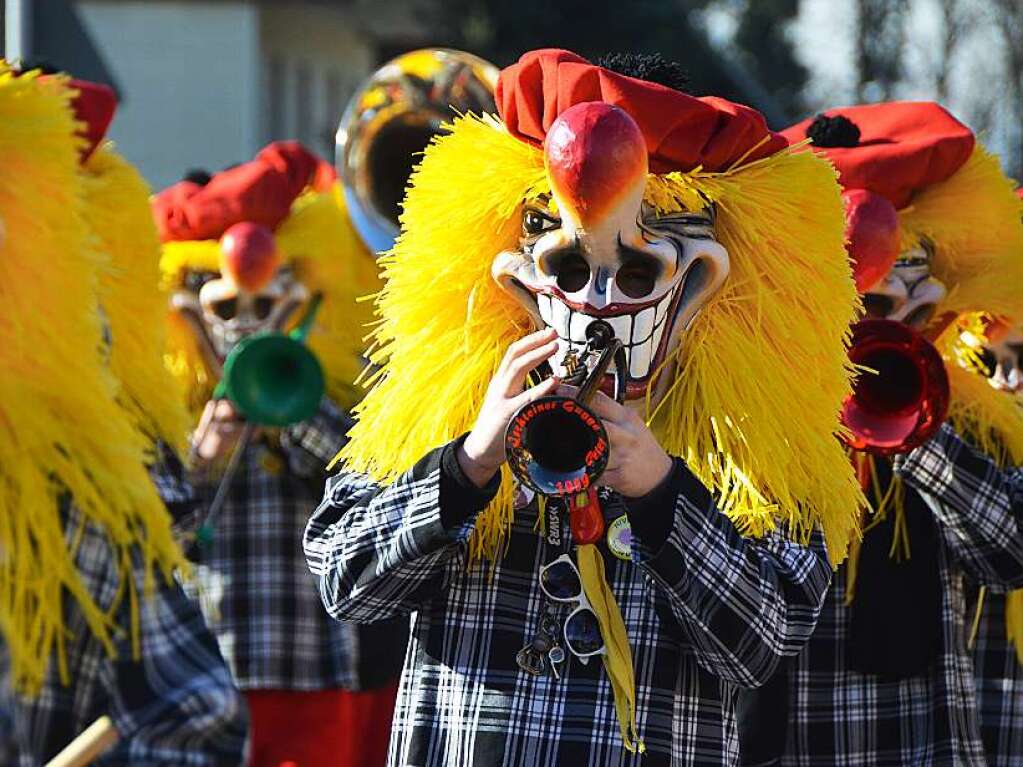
(1014, 620)
(618, 656)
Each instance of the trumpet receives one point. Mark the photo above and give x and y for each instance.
(556, 446)
(272, 378)
(902, 398)
(391, 119)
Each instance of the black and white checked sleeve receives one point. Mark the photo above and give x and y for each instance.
(170, 478)
(744, 604)
(379, 552)
(979, 506)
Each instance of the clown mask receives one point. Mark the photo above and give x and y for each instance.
(253, 293)
(1000, 354)
(593, 249)
(908, 293)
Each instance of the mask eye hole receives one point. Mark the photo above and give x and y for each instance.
(536, 222)
(572, 272)
(195, 280)
(262, 307)
(637, 277)
(225, 308)
(878, 306)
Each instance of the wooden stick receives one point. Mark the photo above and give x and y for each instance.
(97, 738)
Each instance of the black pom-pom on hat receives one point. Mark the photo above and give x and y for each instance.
(837, 131)
(651, 67)
(198, 176)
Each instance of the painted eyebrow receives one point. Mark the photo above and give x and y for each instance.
(686, 218)
(689, 225)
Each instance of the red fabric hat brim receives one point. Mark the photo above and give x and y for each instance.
(261, 191)
(682, 132)
(94, 105)
(904, 147)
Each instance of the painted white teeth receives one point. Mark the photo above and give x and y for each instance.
(662, 307)
(559, 317)
(639, 360)
(543, 303)
(577, 328)
(642, 332)
(643, 325)
(622, 326)
(656, 339)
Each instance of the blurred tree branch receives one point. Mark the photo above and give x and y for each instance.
(1008, 19)
(879, 43)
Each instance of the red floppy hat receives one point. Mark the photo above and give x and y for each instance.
(903, 147)
(682, 132)
(260, 191)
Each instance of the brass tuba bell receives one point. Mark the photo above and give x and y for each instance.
(389, 122)
(901, 400)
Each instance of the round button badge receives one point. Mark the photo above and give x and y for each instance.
(619, 538)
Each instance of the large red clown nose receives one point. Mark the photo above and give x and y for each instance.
(248, 255)
(594, 153)
(872, 228)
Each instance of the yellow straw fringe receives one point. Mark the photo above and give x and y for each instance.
(992, 420)
(117, 209)
(1014, 621)
(328, 257)
(62, 430)
(754, 407)
(973, 219)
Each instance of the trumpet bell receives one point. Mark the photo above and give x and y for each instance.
(273, 380)
(390, 121)
(902, 398)
(556, 446)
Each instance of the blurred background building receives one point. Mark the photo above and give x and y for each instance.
(205, 83)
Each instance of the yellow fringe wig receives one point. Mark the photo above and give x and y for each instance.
(117, 209)
(328, 257)
(992, 419)
(762, 372)
(63, 433)
(973, 219)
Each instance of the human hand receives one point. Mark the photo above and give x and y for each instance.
(482, 453)
(217, 434)
(636, 462)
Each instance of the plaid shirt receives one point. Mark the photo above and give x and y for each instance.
(705, 605)
(999, 686)
(252, 582)
(175, 705)
(842, 717)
